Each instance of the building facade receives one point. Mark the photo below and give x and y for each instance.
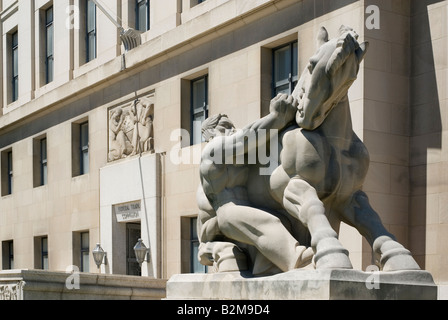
(100, 144)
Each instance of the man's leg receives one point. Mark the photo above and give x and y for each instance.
(266, 233)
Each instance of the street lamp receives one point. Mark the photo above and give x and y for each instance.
(141, 252)
(99, 255)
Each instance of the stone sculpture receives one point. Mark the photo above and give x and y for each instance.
(290, 218)
(131, 129)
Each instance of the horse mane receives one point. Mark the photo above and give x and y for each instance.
(346, 44)
(209, 125)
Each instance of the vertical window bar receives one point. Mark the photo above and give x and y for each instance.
(10, 173)
(199, 108)
(49, 39)
(43, 162)
(196, 266)
(85, 252)
(142, 15)
(15, 65)
(84, 148)
(44, 253)
(90, 30)
(11, 255)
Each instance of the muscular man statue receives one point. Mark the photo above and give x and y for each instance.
(222, 197)
(318, 180)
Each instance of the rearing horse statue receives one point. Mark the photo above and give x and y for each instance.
(322, 167)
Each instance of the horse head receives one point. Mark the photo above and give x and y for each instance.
(328, 76)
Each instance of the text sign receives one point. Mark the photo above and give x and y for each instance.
(128, 212)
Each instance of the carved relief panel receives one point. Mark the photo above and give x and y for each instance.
(131, 128)
(12, 291)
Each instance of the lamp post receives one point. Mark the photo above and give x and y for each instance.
(99, 255)
(141, 252)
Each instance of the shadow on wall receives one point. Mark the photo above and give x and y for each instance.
(426, 125)
(250, 34)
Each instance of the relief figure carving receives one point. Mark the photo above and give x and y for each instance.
(131, 129)
(12, 291)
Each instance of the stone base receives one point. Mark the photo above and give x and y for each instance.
(45, 285)
(305, 285)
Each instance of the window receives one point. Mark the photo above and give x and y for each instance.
(7, 172)
(81, 250)
(40, 162)
(10, 172)
(44, 253)
(85, 252)
(80, 149)
(142, 14)
(49, 41)
(15, 66)
(199, 108)
(195, 2)
(43, 162)
(196, 266)
(84, 139)
(8, 255)
(285, 64)
(90, 30)
(41, 253)
(190, 246)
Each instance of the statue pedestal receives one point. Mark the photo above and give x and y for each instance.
(305, 285)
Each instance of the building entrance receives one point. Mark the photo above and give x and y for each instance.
(133, 233)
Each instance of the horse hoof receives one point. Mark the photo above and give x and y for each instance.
(394, 257)
(330, 254)
(334, 261)
(400, 261)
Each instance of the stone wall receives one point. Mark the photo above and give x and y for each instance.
(43, 285)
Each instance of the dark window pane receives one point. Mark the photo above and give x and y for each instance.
(84, 141)
(91, 16)
(15, 61)
(15, 88)
(15, 39)
(49, 15)
(199, 94)
(199, 108)
(143, 15)
(50, 41)
(295, 61)
(91, 31)
(282, 64)
(43, 161)
(286, 68)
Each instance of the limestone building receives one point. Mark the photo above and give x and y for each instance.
(100, 144)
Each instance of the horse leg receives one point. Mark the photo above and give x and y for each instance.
(301, 201)
(390, 254)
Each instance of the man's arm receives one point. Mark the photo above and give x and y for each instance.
(283, 110)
